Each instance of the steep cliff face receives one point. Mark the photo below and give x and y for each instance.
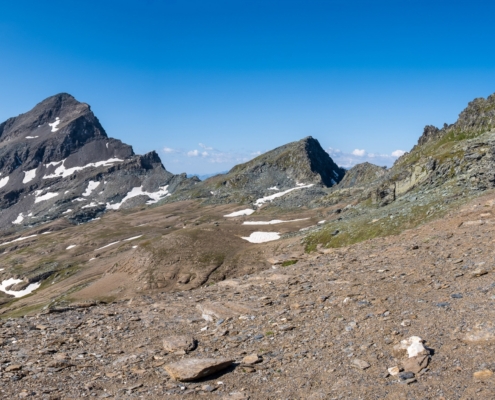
(57, 160)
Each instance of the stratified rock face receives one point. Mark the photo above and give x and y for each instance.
(294, 165)
(57, 160)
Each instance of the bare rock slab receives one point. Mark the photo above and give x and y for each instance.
(194, 368)
(179, 343)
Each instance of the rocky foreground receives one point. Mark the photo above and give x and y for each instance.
(402, 317)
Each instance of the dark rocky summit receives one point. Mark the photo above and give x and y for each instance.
(302, 164)
(57, 160)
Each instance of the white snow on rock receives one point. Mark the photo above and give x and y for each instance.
(78, 199)
(64, 172)
(31, 137)
(247, 211)
(92, 185)
(45, 197)
(19, 219)
(54, 125)
(138, 191)
(118, 241)
(53, 163)
(272, 222)
(18, 239)
(108, 245)
(132, 238)
(29, 175)
(92, 204)
(71, 246)
(68, 211)
(321, 222)
(261, 237)
(4, 181)
(20, 293)
(273, 188)
(272, 197)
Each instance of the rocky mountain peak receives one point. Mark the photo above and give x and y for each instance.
(301, 164)
(55, 156)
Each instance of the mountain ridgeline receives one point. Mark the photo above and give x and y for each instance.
(57, 161)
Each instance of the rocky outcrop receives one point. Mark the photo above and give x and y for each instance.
(57, 160)
(294, 165)
(460, 154)
(361, 175)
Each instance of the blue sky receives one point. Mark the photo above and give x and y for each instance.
(209, 84)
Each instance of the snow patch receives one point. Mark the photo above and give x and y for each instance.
(92, 185)
(78, 199)
(20, 239)
(31, 137)
(64, 172)
(138, 191)
(132, 238)
(108, 245)
(20, 293)
(4, 181)
(262, 237)
(273, 188)
(29, 175)
(272, 222)
(71, 246)
(92, 204)
(272, 197)
(19, 219)
(45, 197)
(247, 211)
(54, 125)
(68, 211)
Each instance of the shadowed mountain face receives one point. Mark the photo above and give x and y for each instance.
(57, 160)
(295, 165)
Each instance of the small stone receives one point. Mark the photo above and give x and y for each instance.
(251, 359)
(415, 364)
(406, 322)
(412, 346)
(394, 371)
(195, 368)
(361, 364)
(14, 367)
(483, 375)
(183, 343)
(406, 375)
(456, 296)
(478, 272)
(41, 327)
(207, 388)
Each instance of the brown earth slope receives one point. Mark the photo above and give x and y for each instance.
(317, 326)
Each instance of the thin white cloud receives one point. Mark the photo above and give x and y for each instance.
(359, 153)
(193, 153)
(357, 156)
(168, 150)
(204, 146)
